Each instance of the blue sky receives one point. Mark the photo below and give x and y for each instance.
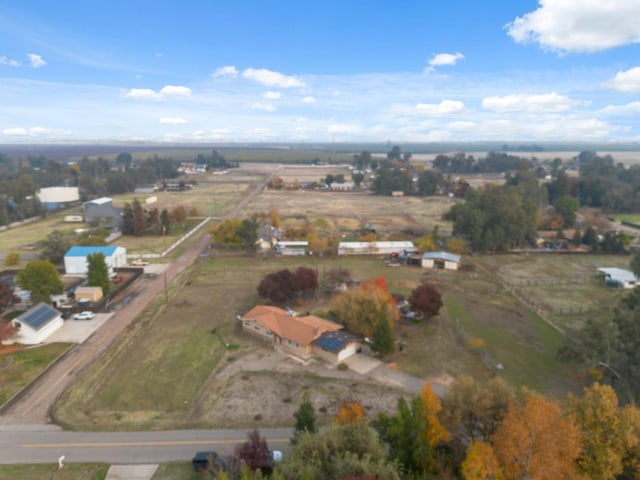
(337, 70)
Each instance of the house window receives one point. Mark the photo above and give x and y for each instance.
(269, 332)
(257, 327)
(292, 343)
(247, 323)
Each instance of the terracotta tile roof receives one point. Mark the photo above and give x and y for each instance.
(301, 329)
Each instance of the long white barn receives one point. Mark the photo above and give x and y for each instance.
(374, 248)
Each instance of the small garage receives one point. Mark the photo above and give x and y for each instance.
(441, 261)
(336, 346)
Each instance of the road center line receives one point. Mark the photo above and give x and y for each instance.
(144, 444)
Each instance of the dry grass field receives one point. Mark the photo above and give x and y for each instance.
(345, 212)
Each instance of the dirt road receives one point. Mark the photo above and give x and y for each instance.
(33, 406)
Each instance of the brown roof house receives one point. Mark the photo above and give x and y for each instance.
(296, 334)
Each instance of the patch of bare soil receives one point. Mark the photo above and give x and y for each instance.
(264, 388)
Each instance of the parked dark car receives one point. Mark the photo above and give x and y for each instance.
(201, 461)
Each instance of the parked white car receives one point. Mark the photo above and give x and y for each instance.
(83, 316)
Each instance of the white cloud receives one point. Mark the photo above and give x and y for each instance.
(262, 133)
(272, 95)
(632, 108)
(579, 25)
(10, 62)
(547, 102)
(441, 59)
(40, 131)
(308, 99)
(36, 60)
(15, 131)
(143, 94)
(32, 132)
(173, 121)
(344, 129)
(166, 91)
(272, 79)
(445, 107)
(627, 81)
(177, 90)
(267, 107)
(228, 71)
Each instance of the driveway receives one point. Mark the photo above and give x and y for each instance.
(78, 331)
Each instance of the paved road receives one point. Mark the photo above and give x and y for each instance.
(46, 444)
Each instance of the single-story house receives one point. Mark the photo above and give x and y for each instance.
(102, 212)
(618, 277)
(93, 294)
(336, 346)
(75, 260)
(293, 248)
(374, 248)
(441, 260)
(36, 324)
(295, 334)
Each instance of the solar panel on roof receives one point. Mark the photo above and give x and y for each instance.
(38, 316)
(330, 342)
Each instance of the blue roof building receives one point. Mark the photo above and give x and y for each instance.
(75, 260)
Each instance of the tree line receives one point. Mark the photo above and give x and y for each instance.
(476, 431)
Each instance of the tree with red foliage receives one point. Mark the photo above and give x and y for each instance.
(278, 287)
(426, 300)
(255, 453)
(6, 331)
(7, 297)
(305, 280)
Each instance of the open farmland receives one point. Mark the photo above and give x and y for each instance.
(565, 287)
(344, 212)
(170, 371)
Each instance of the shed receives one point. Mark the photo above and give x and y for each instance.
(75, 260)
(619, 277)
(441, 260)
(292, 247)
(36, 324)
(93, 294)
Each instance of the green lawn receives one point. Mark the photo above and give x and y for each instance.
(70, 471)
(19, 368)
(627, 217)
(176, 471)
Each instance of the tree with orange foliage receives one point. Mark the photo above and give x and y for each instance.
(610, 432)
(362, 308)
(481, 463)
(350, 412)
(431, 407)
(537, 440)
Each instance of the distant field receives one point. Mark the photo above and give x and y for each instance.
(627, 217)
(269, 155)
